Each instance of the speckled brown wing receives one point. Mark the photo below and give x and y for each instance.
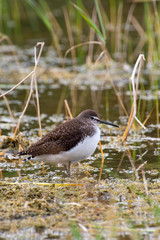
(62, 138)
(44, 148)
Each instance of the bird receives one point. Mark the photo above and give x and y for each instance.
(70, 142)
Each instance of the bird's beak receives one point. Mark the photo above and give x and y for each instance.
(108, 123)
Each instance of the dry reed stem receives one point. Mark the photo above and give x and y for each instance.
(2, 159)
(74, 96)
(128, 126)
(20, 148)
(79, 45)
(8, 107)
(25, 108)
(85, 229)
(141, 124)
(121, 160)
(135, 84)
(99, 57)
(140, 166)
(41, 44)
(2, 153)
(102, 162)
(18, 172)
(20, 160)
(1, 174)
(144, 181)
(118, 28)
(68, 109)
(70, 36)
(87, 173)
(91, 37)
(142, 35)
(118, 96)
(94, 100)
(132, 163)
(53, 21)
(127, 27)
(43, 169)
(140, 157)
(6, 93)
(148, 116)
(67, 117)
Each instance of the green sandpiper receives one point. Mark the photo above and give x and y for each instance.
(70, 142)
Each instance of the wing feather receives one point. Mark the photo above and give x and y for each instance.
(62, 138)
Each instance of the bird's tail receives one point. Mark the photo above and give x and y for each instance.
(25, 153)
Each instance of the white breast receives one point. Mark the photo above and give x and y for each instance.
(81, 151)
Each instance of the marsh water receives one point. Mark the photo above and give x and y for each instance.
(124, 204)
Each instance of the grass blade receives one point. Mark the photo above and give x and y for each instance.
(90, 22)
(100, 19)
(40, 13)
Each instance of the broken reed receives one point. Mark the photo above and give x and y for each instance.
(33, 85)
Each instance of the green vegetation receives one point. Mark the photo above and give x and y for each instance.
(124, 34)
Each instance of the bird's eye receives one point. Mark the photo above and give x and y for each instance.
(92, 118)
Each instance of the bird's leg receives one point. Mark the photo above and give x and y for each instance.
(68, 168)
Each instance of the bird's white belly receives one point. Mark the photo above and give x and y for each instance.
(81, 151)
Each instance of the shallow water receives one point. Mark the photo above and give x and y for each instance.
(141, 146)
